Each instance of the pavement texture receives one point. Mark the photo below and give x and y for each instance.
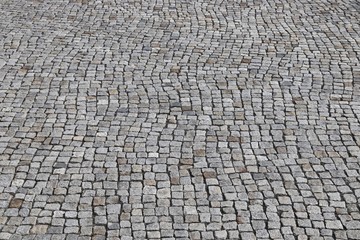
(179, 119)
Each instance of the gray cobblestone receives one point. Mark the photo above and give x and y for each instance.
(179, 119)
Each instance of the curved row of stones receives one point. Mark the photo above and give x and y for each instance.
(179, 119)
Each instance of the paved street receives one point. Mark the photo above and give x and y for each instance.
(179, 119)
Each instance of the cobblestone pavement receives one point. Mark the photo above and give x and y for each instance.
(179, 119)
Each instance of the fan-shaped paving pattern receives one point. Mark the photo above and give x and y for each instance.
(179, 119)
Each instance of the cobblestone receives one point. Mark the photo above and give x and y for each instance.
(179, 119)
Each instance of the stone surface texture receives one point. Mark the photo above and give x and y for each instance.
(179, 119)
